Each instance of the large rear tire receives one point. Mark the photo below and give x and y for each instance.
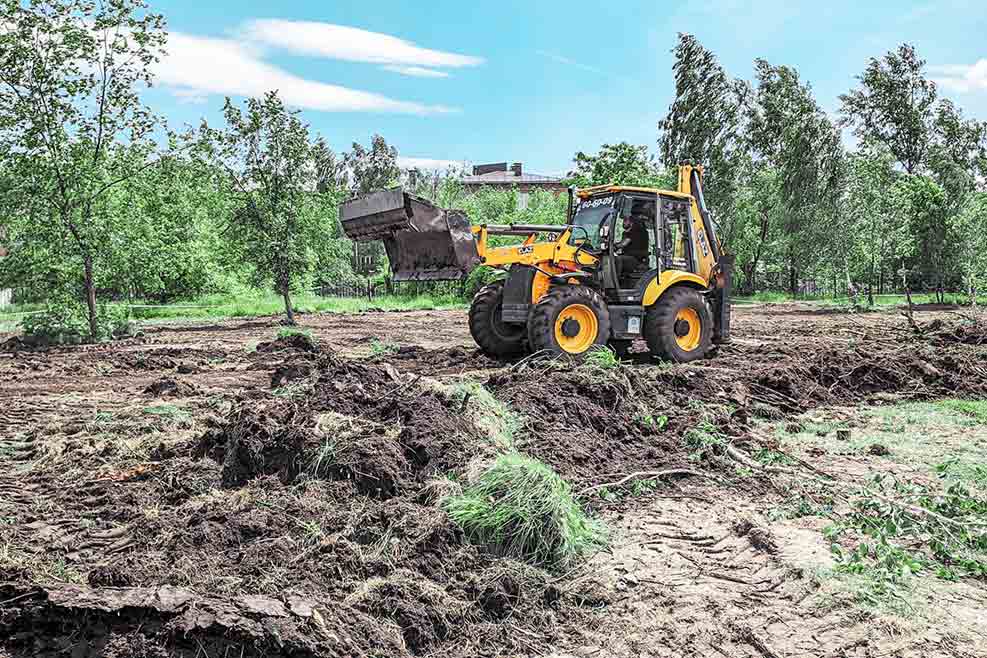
(494, 337)
(679, 326)
(569, 320)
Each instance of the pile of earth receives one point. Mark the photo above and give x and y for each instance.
(299, 523)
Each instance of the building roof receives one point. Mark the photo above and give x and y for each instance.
(509, 178)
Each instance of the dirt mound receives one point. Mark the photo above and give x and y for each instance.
(167, 387)
(325, 491)
(589, 424)
(294, 341)
(425, 613)
(413, 358)
(258, 439)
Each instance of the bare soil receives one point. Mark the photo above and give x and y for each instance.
(209, 489)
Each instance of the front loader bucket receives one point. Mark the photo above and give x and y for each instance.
(423, 242)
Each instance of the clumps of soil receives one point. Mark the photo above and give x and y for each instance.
(290, 373)
(374, 461)
(257, 439)
(167, 387)
(109, 575)
(426, 613)
(414, 358)
(878, 450)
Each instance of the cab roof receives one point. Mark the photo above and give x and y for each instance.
(601, 189)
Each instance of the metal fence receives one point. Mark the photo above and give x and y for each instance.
(369, 290)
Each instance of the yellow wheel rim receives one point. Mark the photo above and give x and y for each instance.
(691, 332)
(576, 328)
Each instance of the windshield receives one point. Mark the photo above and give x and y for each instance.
(590, 215)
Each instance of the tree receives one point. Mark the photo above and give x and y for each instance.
(274, 169)
(375, 168)
(706, 123)
(923, 206)
(620, 164)
(73, 125)
(869, 233)
(957, 152)
(894, 106)
(969, 235)
(791, 133)
(757, 221)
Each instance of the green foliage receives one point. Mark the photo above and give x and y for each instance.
(273, 165)
(288, 332)
(620, 164)
(522, 508)
(651, 421)
(74, 128)
(703, 439)
(66, 322)
(600, 358)
(379, 348)
(480, 277)
(896, 529)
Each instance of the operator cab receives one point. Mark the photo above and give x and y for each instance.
(621, 227)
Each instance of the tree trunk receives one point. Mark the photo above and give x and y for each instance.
(90, 289)
(289, 312)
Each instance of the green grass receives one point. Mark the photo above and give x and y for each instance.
(492, 416)
(323, 459)
(600, 358)
(923, 434)
(223, 306)
(288, 332)
(379, 348)
(773, 297)
(169, 411)
(522, 508)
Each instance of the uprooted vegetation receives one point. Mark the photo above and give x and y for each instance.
(348, 504)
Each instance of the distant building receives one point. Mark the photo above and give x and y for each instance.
(498, 175)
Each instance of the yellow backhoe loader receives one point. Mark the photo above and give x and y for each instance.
(629, 262)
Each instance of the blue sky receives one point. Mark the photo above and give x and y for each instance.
(531, 81)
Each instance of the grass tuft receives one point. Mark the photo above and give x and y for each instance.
(522, 508)
(601, 358)
(323, 459)
(380, 349)
(288, 332)
(489, 414)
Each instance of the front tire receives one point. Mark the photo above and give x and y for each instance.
(494, 337)
(679, 326)
(569, 320)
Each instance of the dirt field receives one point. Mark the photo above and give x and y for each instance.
(173, 494)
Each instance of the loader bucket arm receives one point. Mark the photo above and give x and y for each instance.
(423, 242)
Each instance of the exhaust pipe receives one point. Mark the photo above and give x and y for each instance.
(423, 242)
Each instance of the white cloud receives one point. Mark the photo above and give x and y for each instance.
(416, 71)
(431, 164)
(962, 78)
(350, 44)
(198, 66)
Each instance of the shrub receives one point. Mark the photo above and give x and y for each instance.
(67, 323)
(522, 508)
